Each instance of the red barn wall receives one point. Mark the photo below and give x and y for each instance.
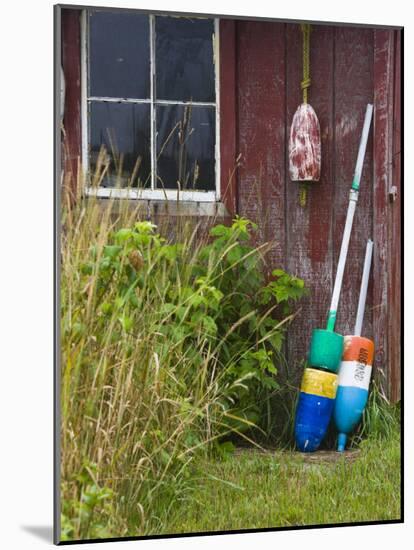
(350, 67)
(260, 74)
(71, 63)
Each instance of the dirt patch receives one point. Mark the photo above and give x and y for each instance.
(318, 457)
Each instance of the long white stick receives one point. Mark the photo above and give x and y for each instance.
(353, 199)
(364, 287)
(342, 259)
(362, 147)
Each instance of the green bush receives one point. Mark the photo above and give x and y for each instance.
(222, 306)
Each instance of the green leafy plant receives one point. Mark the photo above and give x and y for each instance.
(253, 316)
(89, 513)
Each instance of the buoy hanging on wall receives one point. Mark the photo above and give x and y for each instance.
(305, 145)
(305, 132)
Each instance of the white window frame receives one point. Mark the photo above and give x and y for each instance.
(148, 194)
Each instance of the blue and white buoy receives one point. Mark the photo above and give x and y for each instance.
(355, 369)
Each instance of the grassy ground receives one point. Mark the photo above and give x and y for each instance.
(283, 489)
(163, 366)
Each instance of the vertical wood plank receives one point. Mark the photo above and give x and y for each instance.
(394, 287)
(382, 180)
(309, 228)
(228, 121)
(353, 91)
(261, 132)
(71, 64)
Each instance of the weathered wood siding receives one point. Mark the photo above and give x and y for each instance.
(262, 142)
(350, 67)
(395, 240)
(71, 63)
(260, 74)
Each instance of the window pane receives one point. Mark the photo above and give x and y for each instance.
(119, 57)
(185, 147)
(184, 59)
(124, 130)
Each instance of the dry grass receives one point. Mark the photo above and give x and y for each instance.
(128, 420)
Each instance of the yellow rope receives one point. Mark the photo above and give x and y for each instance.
(306, 82)
(302, 194)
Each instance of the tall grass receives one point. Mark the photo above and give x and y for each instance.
(126, 408)
(380, 419)
(147, 383)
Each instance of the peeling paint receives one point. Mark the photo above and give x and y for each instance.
(305, 145)
(348, 124)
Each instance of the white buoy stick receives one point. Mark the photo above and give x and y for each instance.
(342, 260)
(364, 288)
(362, 147)
(353, 199)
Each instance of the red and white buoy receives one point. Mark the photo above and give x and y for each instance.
(305, 145)
(305, 131)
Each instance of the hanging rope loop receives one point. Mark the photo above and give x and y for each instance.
(306, 82)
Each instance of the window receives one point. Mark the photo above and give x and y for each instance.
(150, 105)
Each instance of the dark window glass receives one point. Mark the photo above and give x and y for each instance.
(119, 55)
(124, 131)
(184, 59)
(185, 147)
